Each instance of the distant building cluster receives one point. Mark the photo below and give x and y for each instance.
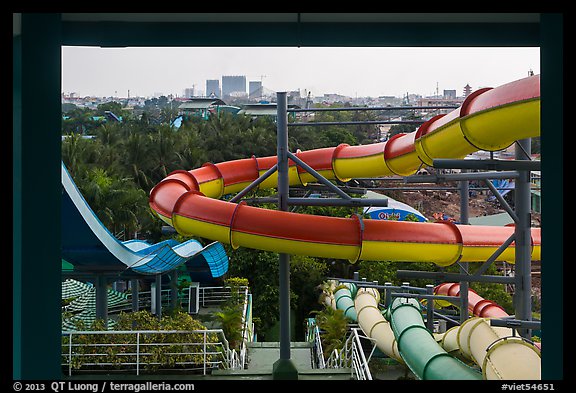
(237, 90)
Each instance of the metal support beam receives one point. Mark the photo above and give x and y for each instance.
(454, 277)
(464, 202)
(135, 293)
(157, 296)
(254, 184)
(501, 199)
(283, 368)
(430, 307)
(372, 108)
(173, 289)
(515, 323)
(489, 165)
(523, 238)
(494, 256)
(353, 202)
(101, 285)
(441, 178)
(351, 123)
(331, 186)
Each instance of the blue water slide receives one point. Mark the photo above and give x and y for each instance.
(89, 245)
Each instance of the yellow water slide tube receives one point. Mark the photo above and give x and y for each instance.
(489, 119)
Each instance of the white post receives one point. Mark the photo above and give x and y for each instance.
(137, 353)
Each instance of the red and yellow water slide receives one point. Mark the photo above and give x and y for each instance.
(489, 119)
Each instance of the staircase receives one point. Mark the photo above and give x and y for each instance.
(262, 355)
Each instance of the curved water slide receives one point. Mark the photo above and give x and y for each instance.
(489, 119)
(401, 334)
(417, 346)
(497, 350)
(88, 244)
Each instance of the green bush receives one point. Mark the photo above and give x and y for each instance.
(168, 350)
(333, 326)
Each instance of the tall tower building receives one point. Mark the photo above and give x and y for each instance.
(189, 92)
(255, 90)
(467, 90)
(233, 84)
(213, 88)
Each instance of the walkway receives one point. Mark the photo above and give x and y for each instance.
(263, 355)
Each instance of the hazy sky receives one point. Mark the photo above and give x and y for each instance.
(349, 71)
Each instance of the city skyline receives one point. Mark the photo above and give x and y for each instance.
(353, 72)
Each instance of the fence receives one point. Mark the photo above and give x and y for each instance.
(147, 350)
(153, 350)
(352, 356)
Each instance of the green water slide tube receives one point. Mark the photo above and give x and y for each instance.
(344, 297)
(423, 355)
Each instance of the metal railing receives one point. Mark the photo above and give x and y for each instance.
(209, 296)
(144, 348)
(352, 356)
(147, 350)
(313, 336)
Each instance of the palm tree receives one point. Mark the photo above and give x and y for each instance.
(333, 325)
(230, 319)
(136, 160)
(117, 202)
(163, 151)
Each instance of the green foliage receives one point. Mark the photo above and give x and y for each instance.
(236, 282)
(230, 318)
(261, 269)
(333, 326)
(176, 350)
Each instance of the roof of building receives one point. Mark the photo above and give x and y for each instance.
(500, 219)
(201, 103)
(269, 109)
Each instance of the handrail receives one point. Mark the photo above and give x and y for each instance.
(232, 358)
(352, 355)
(313, 335)
(141, 350)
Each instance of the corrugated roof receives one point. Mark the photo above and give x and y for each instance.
(201, 103)
(262, 109)
(501, 219)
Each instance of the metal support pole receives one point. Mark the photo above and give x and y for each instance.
(102, 298)
(464, 203)
(283, 368)
(135, 293)
(173, 289)
(502, 201)
(430, 308)
(314, 173)
(157, 294)
(387, 295)
(464, 200)
(254, 184)
(523, 249)
(352, 202)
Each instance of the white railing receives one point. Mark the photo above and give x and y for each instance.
(136, 350)
(352, 356)
(209, 296)
(133, 352)
(313, 336)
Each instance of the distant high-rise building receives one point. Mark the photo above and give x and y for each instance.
(467, 90)
(233, 84)
(213, 88)
(189, 92)
(255, 90)
(449, 94)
